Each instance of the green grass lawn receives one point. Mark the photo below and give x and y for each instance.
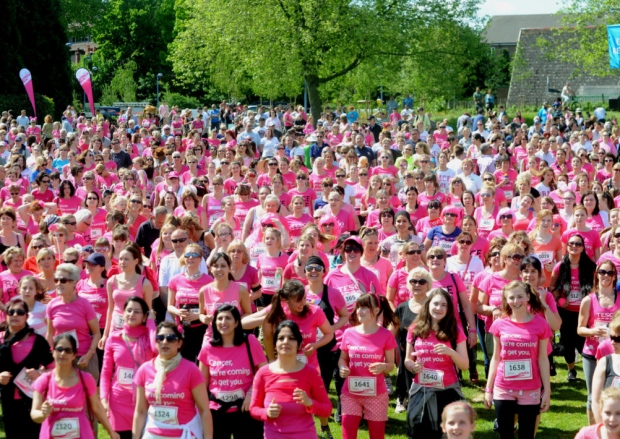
(566, 417)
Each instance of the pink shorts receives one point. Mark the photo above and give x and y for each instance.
(523, 397)
(374, 408)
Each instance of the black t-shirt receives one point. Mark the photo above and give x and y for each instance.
(146, 236)
(122, 159)
(406, 318)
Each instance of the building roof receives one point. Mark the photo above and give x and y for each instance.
(504, 29)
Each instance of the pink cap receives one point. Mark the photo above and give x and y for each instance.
(173, 174)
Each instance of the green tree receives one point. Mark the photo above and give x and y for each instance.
(79, 16)
(583, 38)
(138, 31)
(279, 44)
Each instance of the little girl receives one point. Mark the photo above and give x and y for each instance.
(458, 420)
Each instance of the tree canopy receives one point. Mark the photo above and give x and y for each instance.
(271, 47)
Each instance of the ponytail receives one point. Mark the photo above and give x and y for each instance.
(292, 289)
(374, 301)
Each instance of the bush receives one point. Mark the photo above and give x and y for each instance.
(182, 101)
(16, 103)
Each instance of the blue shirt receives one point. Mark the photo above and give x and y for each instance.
(352, 116)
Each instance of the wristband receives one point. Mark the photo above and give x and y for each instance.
(488, 390)
(472, 331)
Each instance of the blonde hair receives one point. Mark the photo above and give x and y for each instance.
(238, 244)
(188, 247)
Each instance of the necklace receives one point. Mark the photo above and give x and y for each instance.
(193, 276)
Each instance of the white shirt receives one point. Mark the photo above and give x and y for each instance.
(472, 182)
(269, 146)
(23, 121)
(599, 113)
(170, 267)
(456, 165)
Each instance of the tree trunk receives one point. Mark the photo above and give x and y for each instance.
(313, 97)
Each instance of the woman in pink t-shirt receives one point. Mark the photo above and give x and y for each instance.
(222, 290)
(607, 419)
(306, 247)
(287, 393)
(367, 352)
(519, 366)
(59, 400)
(591, 237)
(171, 396)
(453, 284)
(289, 303)
(297, 219)
(595, 314)
(372, 259)
(410, 255)
(184, 303)
(571, 282)
(271, 264)
(436, 350)
(231, 353)
(125, 351)
(597, 220)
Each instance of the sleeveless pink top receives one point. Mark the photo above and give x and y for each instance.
(120, 296)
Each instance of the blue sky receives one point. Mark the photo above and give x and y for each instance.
(519, 7)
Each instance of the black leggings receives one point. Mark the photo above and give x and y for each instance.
(569, 338)
(328, 363)
(404, 378)
(505, 412)
(239, 425)
(192, 342)
(125, 434)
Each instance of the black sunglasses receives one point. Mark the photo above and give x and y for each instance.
(170, 338)
(62, 280)
(178, 241)
(20, 312)
(60, 350)
(418, 281)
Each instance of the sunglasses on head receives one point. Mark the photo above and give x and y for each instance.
(20, 312)
(170, 338)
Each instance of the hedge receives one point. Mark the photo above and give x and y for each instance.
(16, 103)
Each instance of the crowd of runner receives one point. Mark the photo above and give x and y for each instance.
(208, 273)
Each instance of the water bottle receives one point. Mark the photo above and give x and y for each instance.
(186, 323)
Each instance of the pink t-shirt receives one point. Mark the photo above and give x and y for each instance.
(97, 297)
(72, 318)
(492, 286)
(67, 402)
(398, 281)
(187, 293)
(598, 316)
(295, 225)
(267, 266)
(119, 367)
(381, 268)
(479, 248)
(309, 197)
(454, 285)
(364, 350)
(590, 432)
(176, 394)
(308, 325)
(518, 366)
(97, 226)
(295, 421)
(574, 295)
(226, 362)
(438, 370)
(609, 256)
(46, 197)
(10, 283)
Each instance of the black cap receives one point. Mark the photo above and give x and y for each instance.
(315, 260)
(370, 117)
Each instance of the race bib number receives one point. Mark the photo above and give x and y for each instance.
(616, 382)
(271, 282)
(302, 358)
(574, 297)
(486, 224)
(601, 324)
(518, 369)
(165, 414)
(96, 233)
(125, 376)
(231, 396)
(363, 386)
(194, 311)
(319, 194)
(237, 234)
(306, 210)
(431, 378)
(508, 195)
(24, 383)
(118, 320)
(545, 257)
(351, 298)
(446, 245)
(73, 333)
(66, 428)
